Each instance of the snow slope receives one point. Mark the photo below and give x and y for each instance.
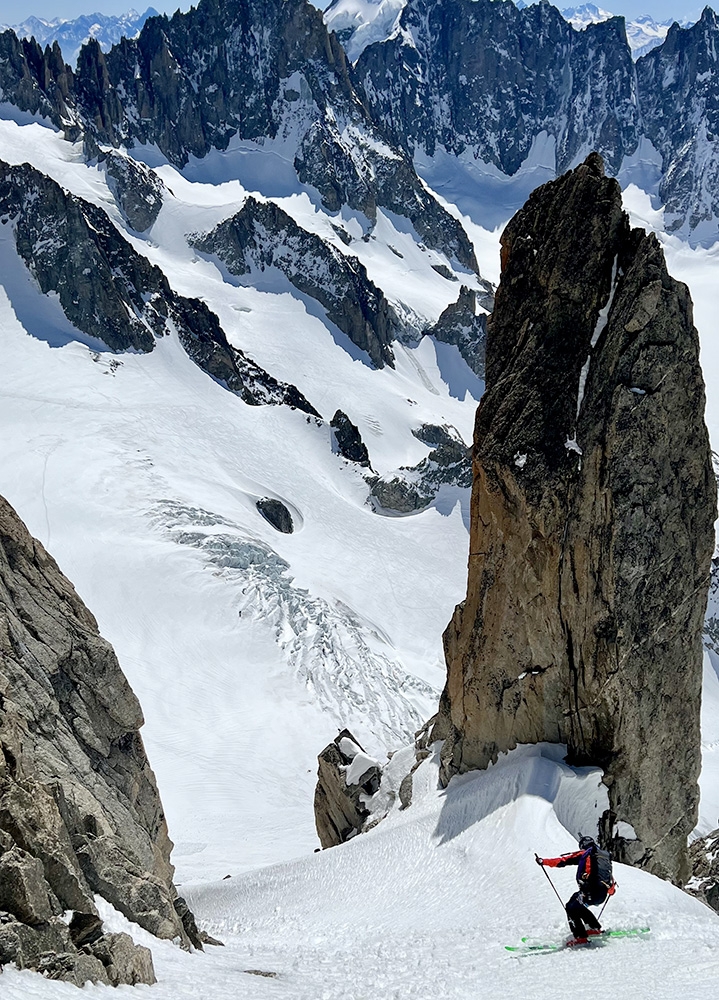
(247, 648)
(423, 905)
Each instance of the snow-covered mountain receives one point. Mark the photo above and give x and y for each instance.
(480, 79)
(225, 203)
(72, 34)
(359, 23)
(643, 32)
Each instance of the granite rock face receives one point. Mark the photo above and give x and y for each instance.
(261, 236)
(592, 520)
(80, 812)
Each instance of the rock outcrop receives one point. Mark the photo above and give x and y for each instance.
(592, 520)
(80, 812)
(465, 326)
(711, 622)
(348, 439)
(277, 514)
(113, 294)
(704, 862)
(412, 488)
(137, 190)
(345, 776)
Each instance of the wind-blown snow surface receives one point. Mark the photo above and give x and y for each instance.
(422, 906)
(248, 648)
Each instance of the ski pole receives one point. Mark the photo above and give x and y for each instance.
(609, 896)
(550, 882)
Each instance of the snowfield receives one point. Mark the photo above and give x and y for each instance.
(248, 649)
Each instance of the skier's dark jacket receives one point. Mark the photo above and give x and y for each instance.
(593, 873)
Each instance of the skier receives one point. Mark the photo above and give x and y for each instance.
(595, 880)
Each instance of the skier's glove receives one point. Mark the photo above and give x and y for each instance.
(540, 861)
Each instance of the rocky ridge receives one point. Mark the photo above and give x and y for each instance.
(262, 236)
(113, 294)
(413, 488)
(80, 813)
(464, 324)
(469, 76)
(257, 71)
(358, 26)
(488, 79)
(679, 103)
(592, 521)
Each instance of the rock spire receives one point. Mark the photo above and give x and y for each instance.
(592, 520)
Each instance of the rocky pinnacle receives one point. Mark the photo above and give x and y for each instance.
(592, 520)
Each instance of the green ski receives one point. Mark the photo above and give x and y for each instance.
(527, 947)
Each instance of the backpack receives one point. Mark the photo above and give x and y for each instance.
(603, 869)
(601, 881)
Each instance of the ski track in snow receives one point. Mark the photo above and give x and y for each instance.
(248, 648)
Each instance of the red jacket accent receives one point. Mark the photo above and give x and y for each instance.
(571, 859)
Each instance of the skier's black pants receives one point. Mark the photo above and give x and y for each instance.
(579, 916)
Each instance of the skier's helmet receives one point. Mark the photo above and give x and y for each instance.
(586, 842)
